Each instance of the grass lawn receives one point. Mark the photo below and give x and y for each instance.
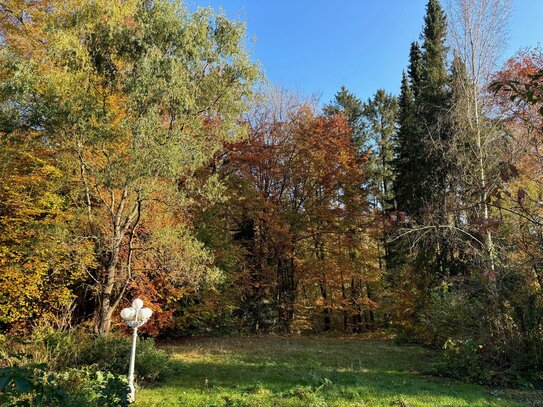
(277, 371)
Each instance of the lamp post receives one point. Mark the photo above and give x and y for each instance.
(134, 316)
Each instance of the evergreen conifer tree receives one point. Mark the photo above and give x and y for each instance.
(346, 103)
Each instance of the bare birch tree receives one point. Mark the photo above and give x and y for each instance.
(478, 34)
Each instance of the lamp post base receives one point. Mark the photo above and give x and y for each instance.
(131, 393)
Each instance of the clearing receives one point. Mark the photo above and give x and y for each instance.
(315, 371)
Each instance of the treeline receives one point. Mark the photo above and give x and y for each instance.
(140, 157)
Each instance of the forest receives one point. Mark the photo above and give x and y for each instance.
(144, 154)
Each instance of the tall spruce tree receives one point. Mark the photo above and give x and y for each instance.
(406, 199)
(421, 174)
(380, 122)
(434, 105)
(434, 56)
(423, 104)
(433, 102)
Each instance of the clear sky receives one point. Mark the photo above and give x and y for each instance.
(315, 46)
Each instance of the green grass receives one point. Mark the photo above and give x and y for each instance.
(277, 371)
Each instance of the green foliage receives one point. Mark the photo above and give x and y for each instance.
(347, 104)
(434, 57)
(24, 384)
(112, 353)
(34, 385)
(406, 163)
(380, 116)
(90, 386)
(66, 354)
(464, 359)
(481, 340)
(58, 350)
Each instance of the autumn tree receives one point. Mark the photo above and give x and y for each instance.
(135, 97)
(298, 207)
(42, 259)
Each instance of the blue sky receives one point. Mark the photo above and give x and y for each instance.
(315, 46)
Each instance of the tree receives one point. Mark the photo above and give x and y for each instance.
(135, 97)
(298, 210)
(433, 100)
(517, 88)
(405, 163)
(418, 250)
(478, 32)
(380, 123)
(380, 117)
(518, 85)
(423, 103)
(415, 69)
(346, 103)
(41, 258)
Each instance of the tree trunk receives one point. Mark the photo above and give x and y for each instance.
(327, 311)
(107, 302)
(370, 312)
(345, 314)
(286, 294)
(357, 316)
(107, 305)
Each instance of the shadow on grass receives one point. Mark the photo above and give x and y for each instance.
(280, 371)
(248, 375)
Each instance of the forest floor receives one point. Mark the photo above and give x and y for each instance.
(314, 371)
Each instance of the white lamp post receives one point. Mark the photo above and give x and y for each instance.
(135, 316)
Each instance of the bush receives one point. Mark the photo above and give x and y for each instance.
(34, 384)
(63, 351)
(92, 387)
(112, 353)
(59, 350)
(465, 359)
(487, 338)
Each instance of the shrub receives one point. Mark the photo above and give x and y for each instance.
(112, 353)
(34, 384)
(59, 350)
(92, 387)
(24, 385)
(487, 338)
(465, 359)
(63, 351)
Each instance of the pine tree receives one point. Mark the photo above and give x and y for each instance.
(433, 101)
(434, 105)
(434, 56)
(380, 118)
(346, 103)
